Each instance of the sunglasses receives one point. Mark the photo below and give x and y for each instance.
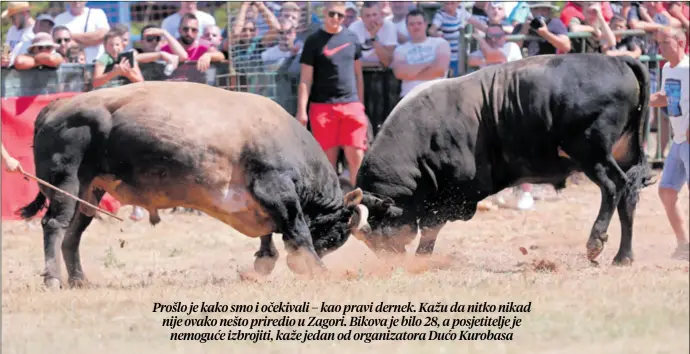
(153, 39)
(249, 29)
(192, 29)
(495, 35)
(44, 47)
(336, 14)
(61, 40)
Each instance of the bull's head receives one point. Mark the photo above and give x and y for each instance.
(380, 225)
(330, 230)
(374, 221)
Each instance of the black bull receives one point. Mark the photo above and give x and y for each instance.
(238, 157)
(451, 143)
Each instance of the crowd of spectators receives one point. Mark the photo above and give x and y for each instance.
(417, 46)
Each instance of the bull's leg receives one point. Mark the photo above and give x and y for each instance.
(611, 181)
(278, 196)
(55, 223)
(428, 239)
(266, 256)
(70, 245)
(626, 213)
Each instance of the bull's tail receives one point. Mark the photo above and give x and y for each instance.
(640, 174)
(34, 207)
(99, 121)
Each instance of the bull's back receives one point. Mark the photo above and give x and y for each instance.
(176, 131)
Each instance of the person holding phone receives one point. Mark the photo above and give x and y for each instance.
(115, 63)
(542, 22)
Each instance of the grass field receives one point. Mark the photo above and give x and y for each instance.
(575, 307)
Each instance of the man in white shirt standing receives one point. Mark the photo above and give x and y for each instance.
(377, 36)
(172, 22)
(400, 10)
(421, 59)
(88, 27)
(22, 29)
(674, 94)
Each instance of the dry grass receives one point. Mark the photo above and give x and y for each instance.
(576, 308)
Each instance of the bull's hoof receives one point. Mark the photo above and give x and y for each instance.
(154, 218)
(297, 264)
(52, 283)
(594, 248)
(266, 253)
(78, 283)
(265, 265)
(304, 264)
(620, 260)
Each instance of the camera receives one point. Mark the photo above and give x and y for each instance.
(535, 24)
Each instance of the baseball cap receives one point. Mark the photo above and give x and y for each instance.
(45, 17)
(351, 6)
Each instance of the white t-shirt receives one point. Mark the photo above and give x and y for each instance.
(675, 85)
(510, 49)
(387, 36)
(273, 57)
(15, 36)
(172, 23)
(418, 53)
(97, 20)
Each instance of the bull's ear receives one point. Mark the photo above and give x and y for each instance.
(353, 198)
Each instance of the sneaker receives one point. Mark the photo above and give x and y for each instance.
(682, 252)
(345, 174)
(526, 201)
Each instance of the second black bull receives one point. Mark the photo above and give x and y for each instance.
(451, 143)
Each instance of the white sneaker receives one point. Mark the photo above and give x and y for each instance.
(526, 201)
(137, 213)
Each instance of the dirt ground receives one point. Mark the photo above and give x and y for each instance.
(575, 307)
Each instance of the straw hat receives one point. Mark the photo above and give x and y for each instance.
(15, 7)
(543, 4)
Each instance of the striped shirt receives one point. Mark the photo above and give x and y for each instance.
(452, 27)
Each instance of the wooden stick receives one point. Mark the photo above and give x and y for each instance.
(26, 174)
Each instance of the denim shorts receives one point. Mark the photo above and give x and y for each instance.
(676, 170)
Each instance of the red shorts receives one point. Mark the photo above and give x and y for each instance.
(339, 124)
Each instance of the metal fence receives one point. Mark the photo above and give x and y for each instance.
(247, 70)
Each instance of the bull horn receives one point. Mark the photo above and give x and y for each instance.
(363, 212)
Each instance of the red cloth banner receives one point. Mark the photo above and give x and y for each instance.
(18, 116)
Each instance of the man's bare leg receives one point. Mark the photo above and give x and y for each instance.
(669, 198)
(354, 158)
(332, 155)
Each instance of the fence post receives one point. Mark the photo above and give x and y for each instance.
(231, 76)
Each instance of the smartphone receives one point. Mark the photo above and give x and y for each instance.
(127, 55)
